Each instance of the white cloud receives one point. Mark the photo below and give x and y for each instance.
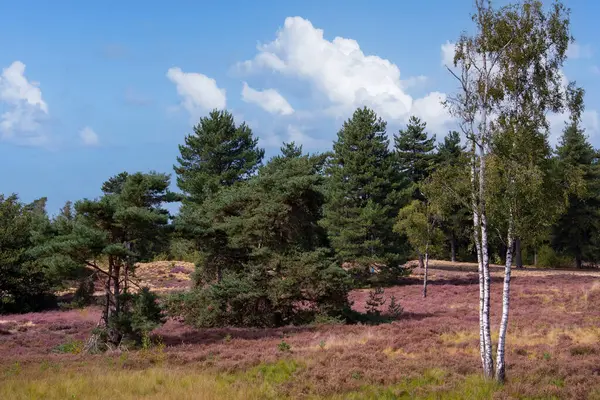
(297, 135)
(89, 137)
(23, 107)
(198, 92)
(270, 100)
(294, 134)
(413, 81)
(576, 51)
(338, 69)
(431, 110)
(448, 51)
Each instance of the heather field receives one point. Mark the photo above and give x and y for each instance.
(430, 352)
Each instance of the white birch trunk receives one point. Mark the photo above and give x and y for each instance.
(426, 268)
(488, 368)
(500, 364)
(476, 235)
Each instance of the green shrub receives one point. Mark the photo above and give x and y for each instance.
(547, 257)
(70, 347)
(140, 314)
(284, 347)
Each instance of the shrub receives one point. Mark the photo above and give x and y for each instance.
(140, 314)
(394, 308)
(70, 347)
(284, 347)
(84, 295)
(375, 301)
(294, 291)
(548, 258)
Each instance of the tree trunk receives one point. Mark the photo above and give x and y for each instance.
(425, 272)
(535, 256)
(500, 364)
(477, 240)
(453, 249)
(421, 265)
(518, 254)
(106, 314)
(578, 261)
(488, 368)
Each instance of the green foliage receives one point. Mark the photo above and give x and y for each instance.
(419, 221)
(284, 347)
(363, 194)
(125, 225)
(264, 255)
(25, 283)
(414, 153)
(375, 301)
(394, 310)
(70, 347)
(577, 232)
(84, 295)
(217, 154)
(140, 314)
(547, 257)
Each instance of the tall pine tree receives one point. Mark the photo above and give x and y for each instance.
(363, 194)
(414, 150)
(576, 232)
(216, 155)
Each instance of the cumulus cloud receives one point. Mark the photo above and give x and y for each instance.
(577, 50)
(448, 51)
(590, 121)
(338, 69)
(198, 92)
(296, 134)
(88, 137)
(22, 105)
(270, 100)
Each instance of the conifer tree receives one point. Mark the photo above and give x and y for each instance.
(414, 150)
(217, 154)
(271, 249)
(363, 193)
(576, 232)
(117, 227)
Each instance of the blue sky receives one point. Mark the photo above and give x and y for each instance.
(89, 89)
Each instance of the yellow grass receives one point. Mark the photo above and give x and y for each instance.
(153, 383)
(589, 335)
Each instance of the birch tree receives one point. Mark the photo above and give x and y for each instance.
(420, 222)
(510, 78)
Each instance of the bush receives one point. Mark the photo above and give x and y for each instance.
(140, 314)
(291, 290)
(84, 295)
(394, 308)
(548, 258)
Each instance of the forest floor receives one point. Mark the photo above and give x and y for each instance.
(430, 352)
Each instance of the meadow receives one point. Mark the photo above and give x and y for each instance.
(430, 352)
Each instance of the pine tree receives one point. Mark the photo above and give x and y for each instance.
(414, 150)
(119, 226)
(576, 232)
(216, 155)
(25, 284)
(455, 217)
(363, 193)
(450, 150)
(271, 249)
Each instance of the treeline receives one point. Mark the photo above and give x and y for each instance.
(283, 241)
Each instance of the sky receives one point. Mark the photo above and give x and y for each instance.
(90, 89)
